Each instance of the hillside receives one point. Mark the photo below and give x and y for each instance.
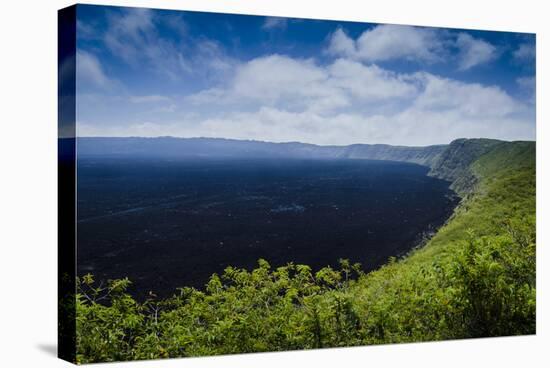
(454, 163)
(474, 278)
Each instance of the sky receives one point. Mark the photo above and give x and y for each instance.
(143, 72)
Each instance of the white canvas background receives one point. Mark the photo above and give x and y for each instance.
(28, 180)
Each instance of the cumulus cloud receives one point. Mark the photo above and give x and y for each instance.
(466, 99)
(412, 126)
(347, 98)
(276, 78)
(387, 42)
(441, 110)
(474, 51)
(420, 44)
(279, 98)
(301, 84)
(341, 44)
(369, 82)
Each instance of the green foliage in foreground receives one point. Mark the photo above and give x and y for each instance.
(475, 278)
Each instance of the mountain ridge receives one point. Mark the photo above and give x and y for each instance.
(451, 162)
(221, 147)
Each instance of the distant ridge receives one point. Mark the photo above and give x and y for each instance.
(231, 148)
(451, 162)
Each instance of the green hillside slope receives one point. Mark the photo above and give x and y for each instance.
(474, 278)
(454, 164)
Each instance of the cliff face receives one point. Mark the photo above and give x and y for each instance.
(454, 163)
(458, 156)
(425, 156)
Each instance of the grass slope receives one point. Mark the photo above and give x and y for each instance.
(504, 189)
(474, 278)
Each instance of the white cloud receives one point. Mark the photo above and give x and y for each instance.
(441, 111)
(85, 31)
(133, 37)
(129, 34)
(369, 83)
(473, 51)
(301, 84)
(278, 98)
(347, 98)
(277, 81)
(274, 78)
(149, 99)
(209, 54)
(341, 45)
(528, 85)
(466, 99)
(420, 44)
(90, 73)
(271, 23)
(145, 129)
(387, 42)
(412, 126)
(525, 51)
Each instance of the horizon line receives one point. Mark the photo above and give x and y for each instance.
(286, 142)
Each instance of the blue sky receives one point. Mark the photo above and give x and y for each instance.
(147, 72)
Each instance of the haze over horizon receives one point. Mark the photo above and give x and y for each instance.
(282, 142)
(186, 74)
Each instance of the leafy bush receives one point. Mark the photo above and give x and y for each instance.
(486, 289)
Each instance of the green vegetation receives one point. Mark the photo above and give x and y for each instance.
(474, 278)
